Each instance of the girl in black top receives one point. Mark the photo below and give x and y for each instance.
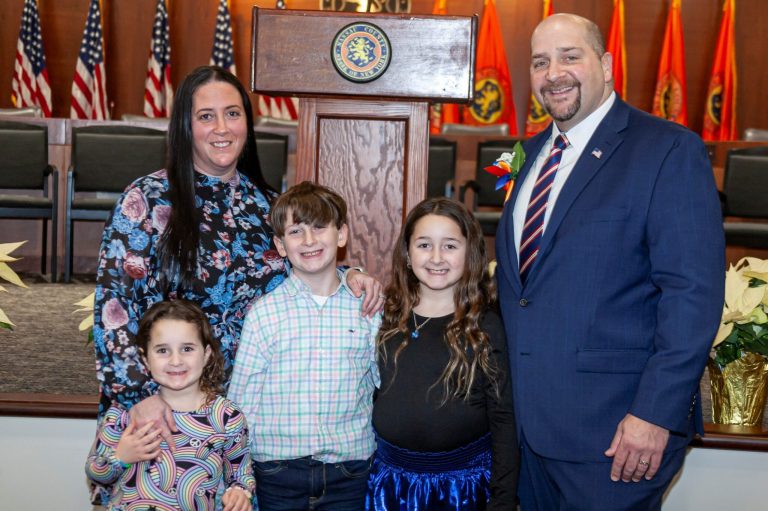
(443, 416)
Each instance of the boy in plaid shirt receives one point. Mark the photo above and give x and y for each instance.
(305, 370)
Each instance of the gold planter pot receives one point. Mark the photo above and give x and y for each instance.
(739, 390)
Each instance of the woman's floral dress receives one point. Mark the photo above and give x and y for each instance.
(237, 263)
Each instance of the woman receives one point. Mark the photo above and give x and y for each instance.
(196, 230)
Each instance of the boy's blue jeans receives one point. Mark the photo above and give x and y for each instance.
(308, 484)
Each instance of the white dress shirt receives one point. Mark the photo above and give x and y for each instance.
(578, 138)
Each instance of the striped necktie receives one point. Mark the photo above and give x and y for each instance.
(537, 207)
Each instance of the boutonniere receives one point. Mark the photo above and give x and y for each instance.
(507, 167)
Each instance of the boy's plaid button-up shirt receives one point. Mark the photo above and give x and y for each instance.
(305, 374)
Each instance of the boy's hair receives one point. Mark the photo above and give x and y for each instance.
(212, 379)
(475, 292)
(309, 203)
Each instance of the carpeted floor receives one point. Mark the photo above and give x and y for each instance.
(46, 353)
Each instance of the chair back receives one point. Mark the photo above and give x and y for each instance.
(160, 123)
(109, 158)
(23, 155)
(468, 129)
(272, 122)
(27, 111)
(746, 182)
(488, 152)
(273, 158)
(756, 135)
(441, 170)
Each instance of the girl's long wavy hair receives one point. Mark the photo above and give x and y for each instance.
(178, 247)
(212, 379)
(469, 347)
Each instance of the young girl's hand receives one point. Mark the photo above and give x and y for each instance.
(139, 444)
(236, 499)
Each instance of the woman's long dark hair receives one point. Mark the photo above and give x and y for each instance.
(469, 347)
(178, 248)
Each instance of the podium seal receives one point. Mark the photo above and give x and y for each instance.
(361, 52)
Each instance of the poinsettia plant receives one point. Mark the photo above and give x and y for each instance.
(744, 324)
(86, 305)
(6, 273)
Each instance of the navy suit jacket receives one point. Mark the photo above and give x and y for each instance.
(623, 301)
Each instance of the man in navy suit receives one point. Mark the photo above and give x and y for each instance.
(611, 310)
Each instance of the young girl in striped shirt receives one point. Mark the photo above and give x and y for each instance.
(184, 359)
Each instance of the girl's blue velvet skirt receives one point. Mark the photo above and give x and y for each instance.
(403, 480)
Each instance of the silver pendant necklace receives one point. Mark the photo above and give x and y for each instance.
(415, 333)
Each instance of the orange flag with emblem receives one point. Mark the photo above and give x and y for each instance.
(442, 113)
(492, 103)
(670, 99)
(617, 49)
(538, 118)
(720, 113)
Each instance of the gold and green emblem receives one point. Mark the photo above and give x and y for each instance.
(361, 52)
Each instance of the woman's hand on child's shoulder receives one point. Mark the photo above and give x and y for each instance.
(139, 444)
(236, 499)
(153, 410)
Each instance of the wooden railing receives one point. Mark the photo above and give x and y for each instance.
(62, 406)
(716, 436)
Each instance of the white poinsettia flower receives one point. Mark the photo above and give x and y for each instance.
(722, 333)
(745, 306)
(740, 299)
(756, 275)
(755, 264)
(746, 303)
(754, 268)
(757, 316)
(86, 305)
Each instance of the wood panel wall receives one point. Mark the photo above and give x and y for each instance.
(128, 25)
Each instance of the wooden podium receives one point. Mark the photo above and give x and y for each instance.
(365, 82)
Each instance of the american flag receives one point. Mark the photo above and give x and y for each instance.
(158, 92)
(223, 50)
(279, 107)
(30, 83)
(275, 106)
(89, 87)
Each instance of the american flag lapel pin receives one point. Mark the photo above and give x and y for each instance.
(597, 153)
